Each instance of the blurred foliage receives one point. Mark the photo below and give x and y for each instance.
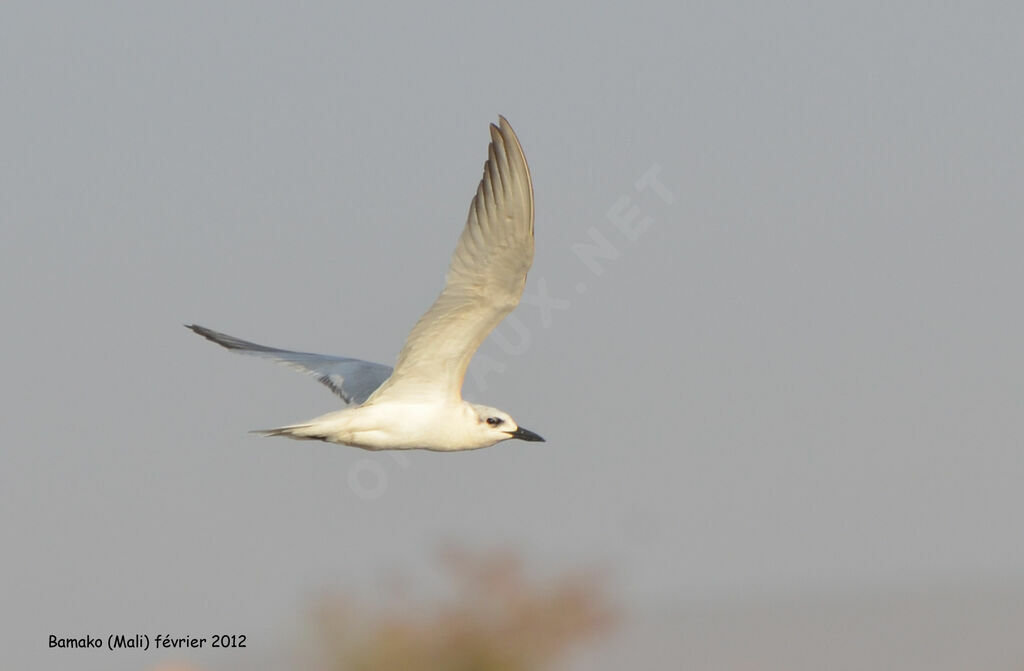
(496, 619)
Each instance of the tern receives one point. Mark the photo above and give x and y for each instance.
(418, 404)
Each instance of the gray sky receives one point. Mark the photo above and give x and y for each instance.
(803, 375)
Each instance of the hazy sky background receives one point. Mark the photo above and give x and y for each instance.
(804, 377)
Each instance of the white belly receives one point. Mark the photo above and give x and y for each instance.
(397, 426)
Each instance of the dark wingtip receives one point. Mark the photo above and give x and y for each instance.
(209, 334)
(224, 340)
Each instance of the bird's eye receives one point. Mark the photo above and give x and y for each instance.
(495, 421)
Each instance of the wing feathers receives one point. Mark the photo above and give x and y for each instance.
(351, 379)
(484, 281)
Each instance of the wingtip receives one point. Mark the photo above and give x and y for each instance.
(503, 134)
(222, 339)
(200, 330)
(507, 134)
(503, 126)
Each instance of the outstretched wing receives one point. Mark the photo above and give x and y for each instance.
(351, 379)
(484, 281)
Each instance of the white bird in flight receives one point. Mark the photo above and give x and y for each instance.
(418, 404)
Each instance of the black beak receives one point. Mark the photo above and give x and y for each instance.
(523, 434)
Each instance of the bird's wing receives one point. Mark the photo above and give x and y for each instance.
(484, 282)
(351, 379)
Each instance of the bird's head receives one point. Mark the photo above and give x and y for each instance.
(495, 425)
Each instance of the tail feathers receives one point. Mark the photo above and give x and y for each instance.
(295, 431)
